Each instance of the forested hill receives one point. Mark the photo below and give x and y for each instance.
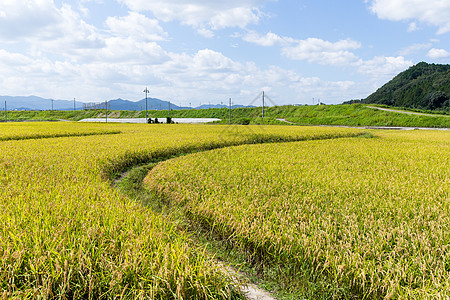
(424, 86)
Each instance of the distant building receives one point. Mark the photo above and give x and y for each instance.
(100, 105)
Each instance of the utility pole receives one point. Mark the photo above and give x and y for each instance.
(106, 108)
(169, 109)
(146, 113)
(263, 105)
(74, 108)
(6, 114)
(52, 104)
(229, 114)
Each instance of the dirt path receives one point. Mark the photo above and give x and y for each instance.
(251, 291)
(406, 112)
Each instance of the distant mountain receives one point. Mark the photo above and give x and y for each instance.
(38, 103)
(423, 86)
(152, 104)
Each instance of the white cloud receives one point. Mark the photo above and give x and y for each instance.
(129, 38)
(212, 62)
(313, 84)
(30, 75)
(13, 59)
(414, 48)
(327, 92)
(238, 16)
(47, 29)
(270, 39)
(200, 13)
(338, 53)
(323, 52)
(123, 50)
(73, 33)
(434, 12)
(137, 26)
(22, 19)
(205, 32)
(383, 68)
(438, 53)
(413, 27)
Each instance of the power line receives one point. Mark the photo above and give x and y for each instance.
(146, 113)
(263, 104)
(229, 116)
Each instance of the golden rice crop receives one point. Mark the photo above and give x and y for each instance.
(348, 218)
(67, 233)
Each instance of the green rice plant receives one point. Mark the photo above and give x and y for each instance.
(340, 218)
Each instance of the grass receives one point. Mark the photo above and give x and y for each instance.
(344, 115)
(341, 218)
(360, 115)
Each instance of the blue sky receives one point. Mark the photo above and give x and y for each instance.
(199, 51)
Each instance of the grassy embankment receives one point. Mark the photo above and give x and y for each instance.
(346, 115)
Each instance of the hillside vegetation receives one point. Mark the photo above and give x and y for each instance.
(423, 86)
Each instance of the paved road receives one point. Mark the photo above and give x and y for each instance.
(407, 112)
(284, 120)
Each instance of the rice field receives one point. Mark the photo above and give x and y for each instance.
(343, 218)
(66, 232)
